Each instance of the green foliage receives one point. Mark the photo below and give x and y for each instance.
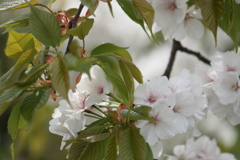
(17, 21)
(34, 101)
(212, 11)
(90, 4)
(111, 148)
(60, 77)
(44, 26)
(132, 145)
(6, 6)
(83, 29)
(138, 113)
(109, 48)
(15, 122)
(230, 21)
(18, 43)
(118, 84)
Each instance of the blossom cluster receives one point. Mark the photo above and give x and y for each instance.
(177, 20)
(222, 86)
(69, 119)
(177, 104)
(201, 149)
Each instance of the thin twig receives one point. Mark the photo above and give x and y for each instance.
(177, 46)
(73, 24)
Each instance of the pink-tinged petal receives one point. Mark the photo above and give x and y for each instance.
(141, 123)
(178, 15)
(157, 149)
(148, 133)
(194, 28)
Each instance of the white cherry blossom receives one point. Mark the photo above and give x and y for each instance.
(190, 26)
(168, 12)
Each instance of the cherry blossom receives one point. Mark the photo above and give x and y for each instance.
(190, 26)
(154, 91)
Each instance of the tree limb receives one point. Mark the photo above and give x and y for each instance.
(177, 46)
(73, 24)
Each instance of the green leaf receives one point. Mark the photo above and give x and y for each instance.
(118, 84)
(78, 64)
(34, 101)
(149, 154)
(60, 77)
(230, 23)
(18, 43)
(15, 122)
(138, 113)
(16, 21)
(76, 149)
(106, 48)
(97, 137)
(98, 148)
(45, 27)
(8, 96)
(134, 70)
(7, 6)
(128, 79)
(111, 149)
(90, 4)
(123, 53)
(147, 12)
(132, 145)
(24, 59)
(212, 11)
(131, 10)
(83, 29)
(31, 75)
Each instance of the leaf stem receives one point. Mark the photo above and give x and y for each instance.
(44, 7)
(115, 97)
(73, 24)
(44, 53)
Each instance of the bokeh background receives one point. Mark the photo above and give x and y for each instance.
(35, 142)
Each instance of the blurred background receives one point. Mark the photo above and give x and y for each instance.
(35, 142)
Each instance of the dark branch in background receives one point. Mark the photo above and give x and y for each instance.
(177, 46)
(73, 24)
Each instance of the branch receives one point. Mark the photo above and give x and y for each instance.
(73, 24)
(177, 46)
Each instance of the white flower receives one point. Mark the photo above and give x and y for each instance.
(227, 88)
(201, 149)
(190, 26)
(228, 62)
(68, 119)
(237, 1)
(97, 87)
(154, 91)
(157, 149)
(164, 127)
(185, 107)
(168, 12)
(220, 110)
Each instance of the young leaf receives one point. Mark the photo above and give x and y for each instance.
(16, 21)
(83, 29)
(117, 83)
(6, 6)
(45, 27)
(130, 9)
(111, 149)
(146, 11)
(18, 43)
(76, 149)
(149, 154)
(60, 77)
(105, 49)
(90, 4)
(134, 70)
(15, 122)
(138, 113)
(8, 96)
(212, 11)
(34, 101)
(24, 59)
(231, 24)
(98, 148)
(128, 79)
(132, 145)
